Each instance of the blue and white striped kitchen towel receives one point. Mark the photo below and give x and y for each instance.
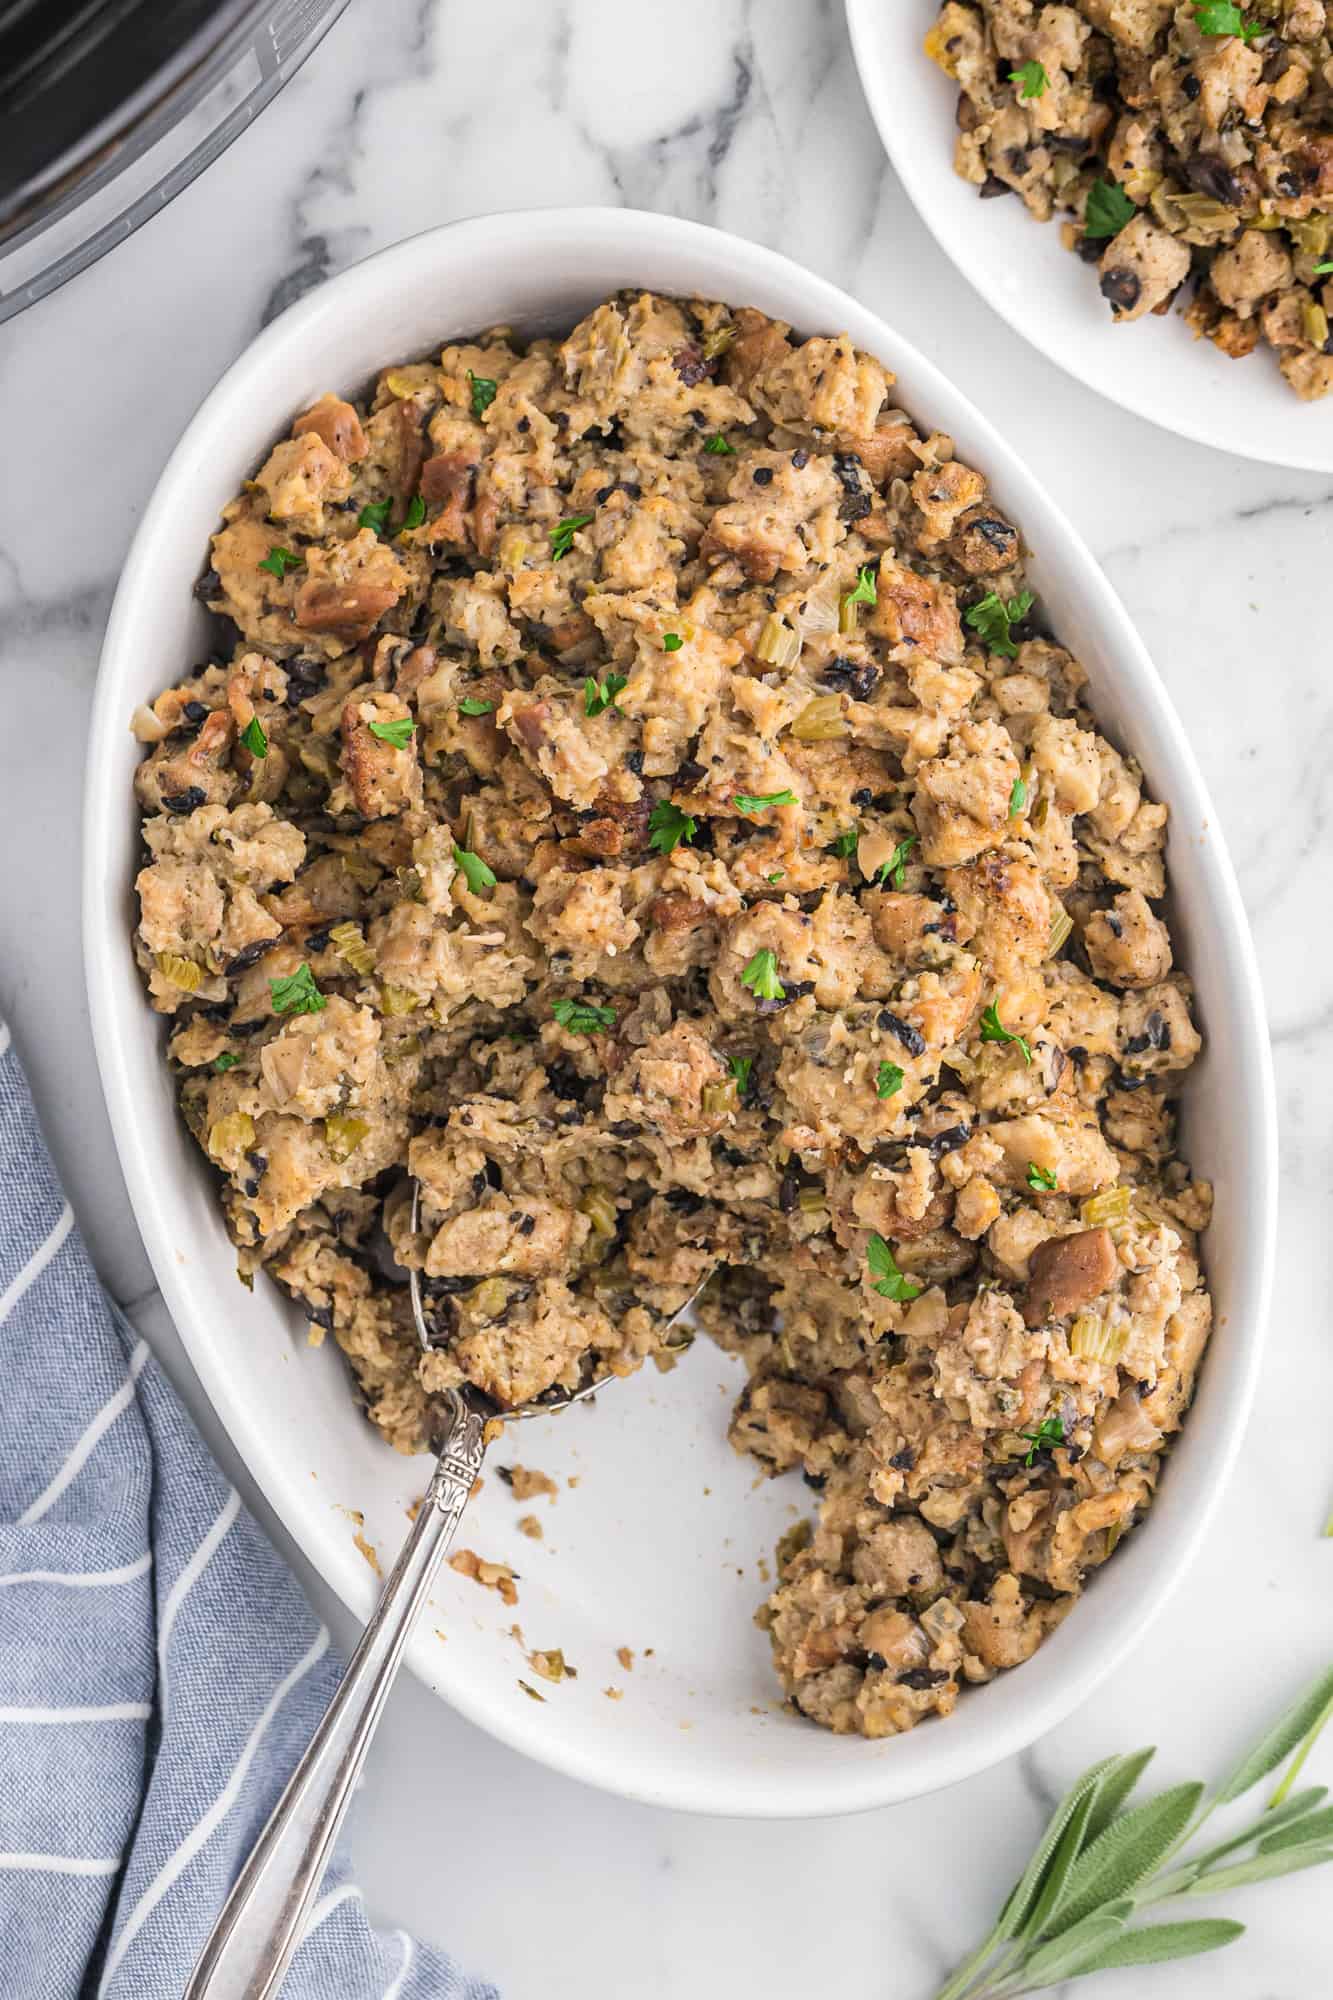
(160, 1671)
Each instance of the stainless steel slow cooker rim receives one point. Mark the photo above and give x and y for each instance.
(141, 118)
(282, 36)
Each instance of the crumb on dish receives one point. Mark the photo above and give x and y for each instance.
(491, 1575)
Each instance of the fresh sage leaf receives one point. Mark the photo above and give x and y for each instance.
(1056, 1880)
(1016, 1911)
(1131, 1847)
(1269, 1823)
(1065, 1957)
(1295, 1730)
(1307, 1827)
(1262, 1868)
(1100, 1863)
(1303, 1750)
(1114, 1790)
(1152, 1944)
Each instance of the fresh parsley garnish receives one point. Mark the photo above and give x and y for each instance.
(278, 561)
(561, 536)
(1322, 270)
(717, 446)
(477, 874)
(415, 515)
(475, 706)
(595, 698)
(740, 1067)
(668, 826)
(761, 976)
(892, 869)
(889, 1080)
(993, 620)
(994, 1030)
(297, 993)
(892, 1283)
(253, 737)
(776, 876)
(753, 802)
(1018, 797)
(1107, 209)
(225, 1061)
(375, 515)
(1031, 79)
(484, 390)
(672, 642)
(863, 591)
(1049, 1433)
(1040, 1178)
(581, 1017)
(845, 844)
(396, 734)
(1220, 17)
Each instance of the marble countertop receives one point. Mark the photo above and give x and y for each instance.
(748, 116)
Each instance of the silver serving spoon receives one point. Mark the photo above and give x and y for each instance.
(262, 1921)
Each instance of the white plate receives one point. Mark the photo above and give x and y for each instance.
(664, 1542)
(1154, 367)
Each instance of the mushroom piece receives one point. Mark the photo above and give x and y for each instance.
(1067, 1272)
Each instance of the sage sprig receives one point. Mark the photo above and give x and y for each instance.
(1102, 1861)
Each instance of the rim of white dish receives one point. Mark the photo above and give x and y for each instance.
(929, 182)
(739, 268)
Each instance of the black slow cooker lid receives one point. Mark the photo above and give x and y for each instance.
(76, 74)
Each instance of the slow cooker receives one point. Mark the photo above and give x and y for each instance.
(108, 108)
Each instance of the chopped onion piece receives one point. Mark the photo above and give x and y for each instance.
(962, 1064)
(1124, 1427)
(820, 613)
(147, 727)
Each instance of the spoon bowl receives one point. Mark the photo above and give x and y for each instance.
(551, 1400)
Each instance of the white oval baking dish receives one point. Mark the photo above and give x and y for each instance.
(658, 1536)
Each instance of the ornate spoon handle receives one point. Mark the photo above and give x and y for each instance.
(260, 1927)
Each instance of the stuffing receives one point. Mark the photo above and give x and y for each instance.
(1175, 147)
(622, 815)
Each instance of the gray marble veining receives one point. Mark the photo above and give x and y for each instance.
(747, 114)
